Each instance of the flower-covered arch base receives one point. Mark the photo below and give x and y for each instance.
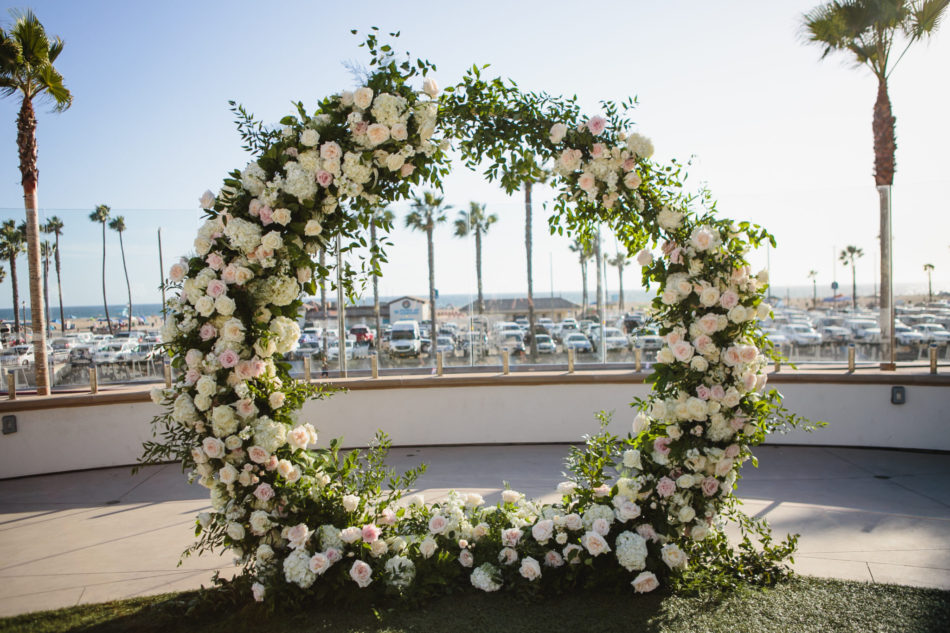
(643, 509)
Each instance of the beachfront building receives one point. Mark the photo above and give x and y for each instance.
(555, 308)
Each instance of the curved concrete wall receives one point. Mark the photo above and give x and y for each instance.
(495, 410)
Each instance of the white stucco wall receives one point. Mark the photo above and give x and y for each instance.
(55, 440)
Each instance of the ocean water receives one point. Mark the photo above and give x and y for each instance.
(632, 296)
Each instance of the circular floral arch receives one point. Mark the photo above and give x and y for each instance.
(642, 509)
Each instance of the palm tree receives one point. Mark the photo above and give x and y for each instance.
(476, 222)
(619, 260)
(813, 275)
(427, 211)
(584, 254)
(26, 69)
(12, 243)
(55, 226)
(101, 215)
(868, 30)
(385, 219)
(847, 257)
(46, 249)
(929, 268)
(117, 224)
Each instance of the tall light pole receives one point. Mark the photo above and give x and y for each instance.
(886, 318)
(340, 311)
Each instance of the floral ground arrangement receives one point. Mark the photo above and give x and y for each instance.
(642, 510)
(802, 605)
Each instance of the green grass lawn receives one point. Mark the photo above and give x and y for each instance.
(800, 604)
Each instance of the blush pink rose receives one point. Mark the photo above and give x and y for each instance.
(406, 170)
(214, 261)
(257, 367)
(229, 274)
(266, 215)
(213, 447)
(324, 178)
(228, 358)
(264, 492)
(598, 150)
(646, 531)
(717, 392)
(272, 462)
(192, 376)
(245, 407)
(596, 124)
(710, 486)
(601, 491)
(665, 487)
(330, 151)
(207, 332)
(702, 392)
(662, 445)
(729, 300)
(258, 455)
(371, 533)
(731, 451)
(216, 288)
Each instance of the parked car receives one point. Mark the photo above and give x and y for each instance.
(512, 341)
(906, 335)
(115, 352)
(578, 342)
(835, 334)
(473, 343)
(802, 334)
(545, 344)
(17, 355)
(362, 333)
(934, 333)
(445, 344)
(405, 339)
(614, 339)
(647, 339)
(81, 355)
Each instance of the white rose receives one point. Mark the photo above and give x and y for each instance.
(631, 459)
(224, 305)
(272, 241)
(673, 556)
(309, 137)
(281, 216)
(235, 531)
(645, 582)
(427, 547)
(645, 257)
(709, 296)
(350, 502)
(363, 97)
(312, 228)
(207, 200)
(686, 513)
(377, 133)
(430, 87)
(698, 363)
(595, 543)
(558, 130)
(530, 568)
(632, 180)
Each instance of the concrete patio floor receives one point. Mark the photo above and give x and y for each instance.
(863, 514)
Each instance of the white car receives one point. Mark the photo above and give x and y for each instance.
(906, 335)
(17, 355)
(614, 339)
(801, 334)
(934, 333)
(545, 344)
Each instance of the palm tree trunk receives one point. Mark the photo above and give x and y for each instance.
(59, 287)
(323, 300)
(600, 292)
(434, 330)
(478, 269)
(376, 315)
(854, 287)
(26, 143)
(620, 272)
(884, 166)
(46, 283)
(584, 282)
(128, 286)
(527, 244)
(16, 296)
(105, 303)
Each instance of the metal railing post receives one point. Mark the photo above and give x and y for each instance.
(638, 359)
(850, 358)
(505, 369)
(167, 371)
(306, 369)
(374, 366)
(11, 384)
(933, 358)
(778, 365)
(94, 379)
(570, 360)
(439, 361)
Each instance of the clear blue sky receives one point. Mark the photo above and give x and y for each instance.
(780, 137)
